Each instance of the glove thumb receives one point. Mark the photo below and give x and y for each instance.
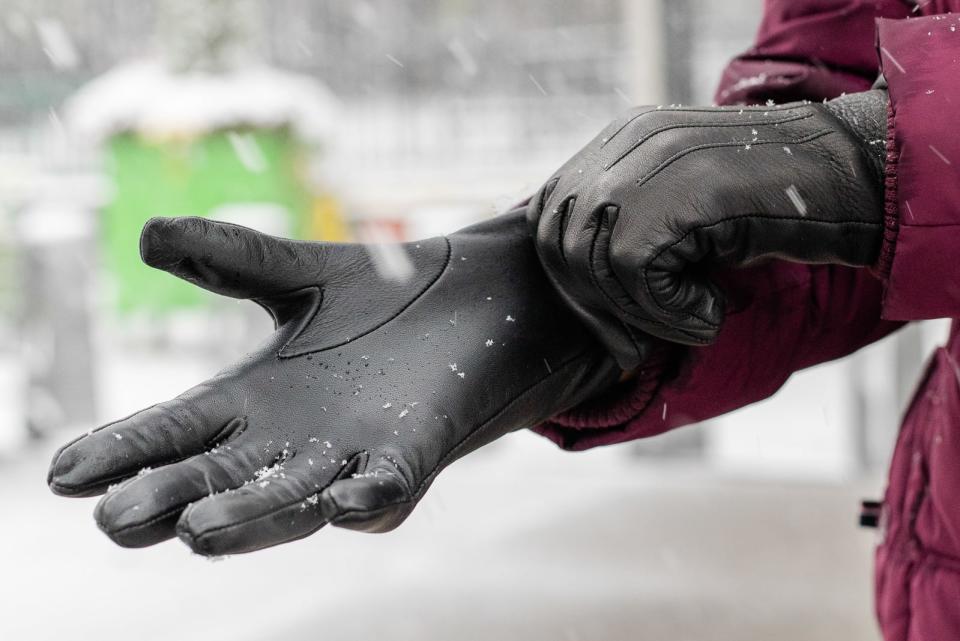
(225, 258)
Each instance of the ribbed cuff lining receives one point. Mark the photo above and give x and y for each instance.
(891, 213)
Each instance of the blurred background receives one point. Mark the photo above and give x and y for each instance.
(376, 120)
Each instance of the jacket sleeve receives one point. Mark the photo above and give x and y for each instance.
(781, 316)
(809, 50)
(921, 256)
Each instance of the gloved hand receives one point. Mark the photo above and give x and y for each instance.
(629, 227)
(366, 390)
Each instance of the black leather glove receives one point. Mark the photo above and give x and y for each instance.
(628, 227)
(366, 390)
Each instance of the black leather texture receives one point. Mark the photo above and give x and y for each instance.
(367, 389)
(629, 229)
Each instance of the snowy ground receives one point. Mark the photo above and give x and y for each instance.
(551, 546)
(519, 541)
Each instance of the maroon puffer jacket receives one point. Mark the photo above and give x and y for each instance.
(787, 316)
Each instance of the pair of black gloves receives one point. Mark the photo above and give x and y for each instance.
(369, 388)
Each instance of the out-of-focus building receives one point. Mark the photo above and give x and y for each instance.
(450, 111)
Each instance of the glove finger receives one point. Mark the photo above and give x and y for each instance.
(620, 329)
(164, 433)
(377, 501)
(625, 343)
(669, 297)
(552, 228)
(688, 308)
(224, 258)
(144, 510)
(273, 510)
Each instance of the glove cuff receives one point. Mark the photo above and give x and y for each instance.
(577, 428)
(865, 116)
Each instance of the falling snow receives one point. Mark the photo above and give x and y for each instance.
(247, 151)
(896, 64)
(463, 56)
(940, 155)
(57, 44)
(538, 85)
(390, 259)
(794, 195)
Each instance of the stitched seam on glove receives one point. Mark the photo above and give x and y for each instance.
(152, 521)
(85, 487)
(273, 512)
(707, 125)
(424, 484)
(284, 354)
(704, 110)
(720, 145)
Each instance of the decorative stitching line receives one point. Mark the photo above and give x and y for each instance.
(415, 298)
(694, 110)
(127, 529)
(719, 145)
(705, 125)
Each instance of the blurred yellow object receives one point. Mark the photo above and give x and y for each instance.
(326, 221)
